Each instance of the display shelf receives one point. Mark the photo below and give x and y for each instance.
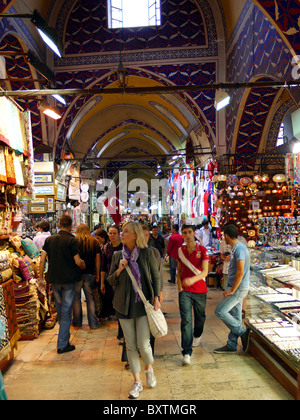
(272, 305)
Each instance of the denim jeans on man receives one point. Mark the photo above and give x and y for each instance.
(86, 283)
(229, 310)
(187, 302)
(64, 298)
(173, 266)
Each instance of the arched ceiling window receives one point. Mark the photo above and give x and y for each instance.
(130, 13)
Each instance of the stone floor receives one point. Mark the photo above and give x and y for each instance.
(94, 371)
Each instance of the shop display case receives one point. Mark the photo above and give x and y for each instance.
(273, 315)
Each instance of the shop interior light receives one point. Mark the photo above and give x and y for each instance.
(60, 99)
(122, 75)
(50, 111)
(222, 99)
(48, 34)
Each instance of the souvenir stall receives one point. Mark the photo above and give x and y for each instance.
(20, 301)
(41, 205)
(266, 208)
(193, 196)
(78, 196)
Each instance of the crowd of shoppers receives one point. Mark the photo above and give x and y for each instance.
(100, 261)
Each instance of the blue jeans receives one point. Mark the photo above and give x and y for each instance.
(173, 266)
(64, 298)
(229, 310)
(87, 283)
(188, 301)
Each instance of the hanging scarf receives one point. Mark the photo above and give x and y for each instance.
(132, 257)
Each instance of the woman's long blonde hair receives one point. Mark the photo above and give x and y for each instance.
(85, 239)
(136, 228)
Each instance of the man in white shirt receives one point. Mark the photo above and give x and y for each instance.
(43, 233)
(205, 234)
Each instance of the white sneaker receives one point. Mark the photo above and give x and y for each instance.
(150, 378)
(196, 342)
(136, 388)
(186, 359)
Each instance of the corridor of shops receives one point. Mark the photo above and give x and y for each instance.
(168, 113)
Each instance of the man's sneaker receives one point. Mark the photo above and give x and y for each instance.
(150, 378)
(186, 359)
(196, 342)
(245, 339)
(224, 350)
(136, 388)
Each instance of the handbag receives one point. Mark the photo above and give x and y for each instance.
(157, 322)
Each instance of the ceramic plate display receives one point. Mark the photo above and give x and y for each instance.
(84, 187)
(257, 178)
(251, 244)
(84, 207)
(84, 196)
(246, 181)
(222, 177)
(232, 180)
(261, 193)
(279, 178)
(265, 178)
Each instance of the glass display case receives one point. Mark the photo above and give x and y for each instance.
(273, 314)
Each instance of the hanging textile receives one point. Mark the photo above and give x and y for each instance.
(12, 323)
(3, 177)
(18, 171)
(5, 347)
(30, 161)
(10, 169)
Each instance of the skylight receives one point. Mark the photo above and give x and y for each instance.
(133, 13)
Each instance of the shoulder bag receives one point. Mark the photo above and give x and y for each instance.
(188, 263)
(157, 322)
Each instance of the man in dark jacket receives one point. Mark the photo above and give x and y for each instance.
(64, 271)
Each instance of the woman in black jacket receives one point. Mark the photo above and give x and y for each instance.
(127, 302)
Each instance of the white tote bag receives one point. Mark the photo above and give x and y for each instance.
(157, 322)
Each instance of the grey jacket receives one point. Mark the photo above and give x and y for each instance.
(122, 284)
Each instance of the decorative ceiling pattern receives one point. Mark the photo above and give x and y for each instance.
(200, 104)
(285, 14)
(253, 121)
(255, 50)
(87, 29)
(184, 50)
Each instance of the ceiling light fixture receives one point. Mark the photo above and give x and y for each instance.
(122, 75)
(50, 111)
(41, 67)
(222, 99)
(60, 99)
(48, 34)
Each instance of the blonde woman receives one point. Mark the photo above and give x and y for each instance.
(128, 305)
(89, 251)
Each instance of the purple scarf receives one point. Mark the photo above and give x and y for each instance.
(132, 257)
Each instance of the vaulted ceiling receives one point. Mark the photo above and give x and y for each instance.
(198, 43)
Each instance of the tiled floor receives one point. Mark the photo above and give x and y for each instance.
(95, 371)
